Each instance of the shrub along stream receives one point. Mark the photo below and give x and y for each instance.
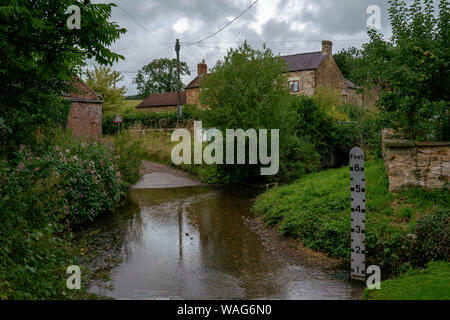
(43, 195)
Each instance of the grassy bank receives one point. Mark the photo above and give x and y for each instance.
(431, 283)
(156, 146)
(404, 229)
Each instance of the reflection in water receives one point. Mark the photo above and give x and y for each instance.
(192, 243)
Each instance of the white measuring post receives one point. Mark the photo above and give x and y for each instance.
(358, 214)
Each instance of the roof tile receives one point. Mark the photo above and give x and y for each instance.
(162, 100)
(304, 61)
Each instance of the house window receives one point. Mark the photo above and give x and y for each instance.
(345, 98)
(293, 86)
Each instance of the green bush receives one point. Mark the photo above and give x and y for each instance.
(128, 154)
(149, 119)
(42, 195)
(298, 158)
(312, 121)
(433, 238)
(328, 135)
(87, 175)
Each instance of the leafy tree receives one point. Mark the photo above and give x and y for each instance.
(247, 89)
(104, 81)
(349, 61)
(40, 55)
(412, 69)
(160, 75)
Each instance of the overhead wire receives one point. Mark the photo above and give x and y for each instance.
(225, 26)
(139, 24)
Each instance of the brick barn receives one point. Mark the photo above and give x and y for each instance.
(85, 116)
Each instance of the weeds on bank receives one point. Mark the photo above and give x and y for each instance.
(316, 209)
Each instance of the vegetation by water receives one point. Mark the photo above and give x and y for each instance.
(316, 210)
(431, 283)
(43, 194)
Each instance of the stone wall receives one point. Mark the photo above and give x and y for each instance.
(329, 75)
(415, 164)
(352, 96)
(306, 79)
(85, 119)
(193, 97)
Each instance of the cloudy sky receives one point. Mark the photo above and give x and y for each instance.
(287, 26)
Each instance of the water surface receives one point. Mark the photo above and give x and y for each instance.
(193, 243)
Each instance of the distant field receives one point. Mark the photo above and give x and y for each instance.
(129, 104)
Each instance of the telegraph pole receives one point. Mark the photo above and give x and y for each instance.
(177, 49)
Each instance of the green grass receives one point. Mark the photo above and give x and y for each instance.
(431, 283)
(316, 209)
(129, 105)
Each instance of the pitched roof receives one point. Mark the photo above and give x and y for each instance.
(196, 82)
(350, 84)
(162, 100)
(295, 62)
(81, 92)
(304, 61)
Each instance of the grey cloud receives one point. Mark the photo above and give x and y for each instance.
(333, 20)
(341, 16)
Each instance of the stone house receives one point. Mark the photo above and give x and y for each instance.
(306, 72)
(85, 116)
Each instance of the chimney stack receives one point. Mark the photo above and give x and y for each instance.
(327, 48)
(202, 68)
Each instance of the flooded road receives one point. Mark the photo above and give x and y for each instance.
(194, 243)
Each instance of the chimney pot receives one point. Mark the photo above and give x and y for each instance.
(327, 47)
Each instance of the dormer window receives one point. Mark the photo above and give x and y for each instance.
(294, 86)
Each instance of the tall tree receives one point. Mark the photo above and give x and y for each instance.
(412, 68)
(243, 89)
(40, 54)
(104, 81)
(247, 90)
(160, 75)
